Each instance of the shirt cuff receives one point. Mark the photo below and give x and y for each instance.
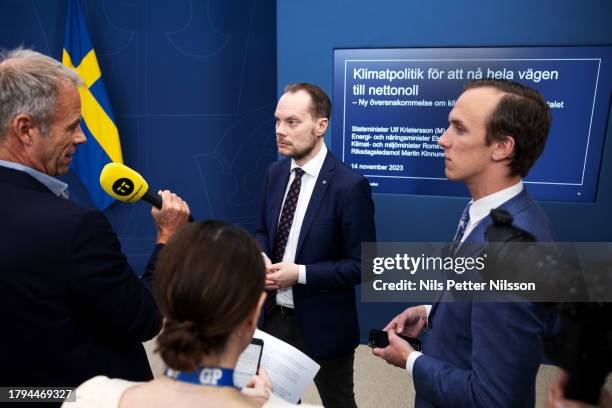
(427, 310)
(302, 274)
(410, 361)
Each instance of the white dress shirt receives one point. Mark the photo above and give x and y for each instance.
(284, 297)
(479, 210)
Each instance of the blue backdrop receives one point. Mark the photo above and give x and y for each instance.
(193, 87)
(194, 83)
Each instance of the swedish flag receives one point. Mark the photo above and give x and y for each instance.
(98, 122)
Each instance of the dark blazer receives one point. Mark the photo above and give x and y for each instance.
(70, 305)
(485, 354)
(339, 217)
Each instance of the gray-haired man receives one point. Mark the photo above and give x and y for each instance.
(70, 305)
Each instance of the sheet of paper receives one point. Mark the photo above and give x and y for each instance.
(290, 370)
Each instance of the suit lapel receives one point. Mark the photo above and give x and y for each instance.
(476, 239)
(518, 203)
(472, 245)
(277, 194)
(323, 181)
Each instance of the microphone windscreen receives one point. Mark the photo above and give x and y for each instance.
(122, 183)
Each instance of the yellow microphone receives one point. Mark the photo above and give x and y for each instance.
(125, 184)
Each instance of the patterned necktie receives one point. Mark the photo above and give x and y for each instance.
(282, 231)
(286, 219)
(463, 223)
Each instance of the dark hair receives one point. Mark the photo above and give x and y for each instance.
(208, 279)
(521, 113)
(320, 106)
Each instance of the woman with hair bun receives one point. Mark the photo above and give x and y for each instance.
(209, 285)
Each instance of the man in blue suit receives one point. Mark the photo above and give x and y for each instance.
(315, 213)
(70, 305)
(482, 354)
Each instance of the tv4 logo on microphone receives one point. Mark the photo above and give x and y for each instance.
(123, 187)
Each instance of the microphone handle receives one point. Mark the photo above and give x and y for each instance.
(153, 198)
(156, 201)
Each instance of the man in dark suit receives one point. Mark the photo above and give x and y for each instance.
(315, 213)
(70, 305)
(482, 354)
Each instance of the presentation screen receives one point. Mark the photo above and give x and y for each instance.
(391, 106)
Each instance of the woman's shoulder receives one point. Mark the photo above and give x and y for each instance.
(100, 392)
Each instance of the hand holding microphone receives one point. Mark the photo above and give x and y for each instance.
(171, 217)
(170, 212)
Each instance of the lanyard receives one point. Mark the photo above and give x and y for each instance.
(215, 376)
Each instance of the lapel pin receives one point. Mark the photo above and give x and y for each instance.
(324, 182)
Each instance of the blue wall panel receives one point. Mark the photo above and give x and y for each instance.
(194, 83)
(193, 87)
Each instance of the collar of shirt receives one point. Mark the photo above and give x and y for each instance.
(57, 187)
(313, 167)
(483, 206)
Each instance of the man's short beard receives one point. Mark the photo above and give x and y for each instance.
(306, 152)
(303, 153)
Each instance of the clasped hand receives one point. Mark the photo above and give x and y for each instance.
(281, 275)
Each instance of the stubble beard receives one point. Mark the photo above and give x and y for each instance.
(304, 153)
(301, 154)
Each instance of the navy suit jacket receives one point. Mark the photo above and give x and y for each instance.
(339, 217)
(485, 354)
(70, 305)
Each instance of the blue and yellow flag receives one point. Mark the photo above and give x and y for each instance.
(98, 122)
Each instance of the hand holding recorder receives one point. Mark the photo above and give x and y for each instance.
(392, 348)
(410, 322)
(380, 339)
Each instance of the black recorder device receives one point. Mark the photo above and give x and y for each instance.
(380, 339)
